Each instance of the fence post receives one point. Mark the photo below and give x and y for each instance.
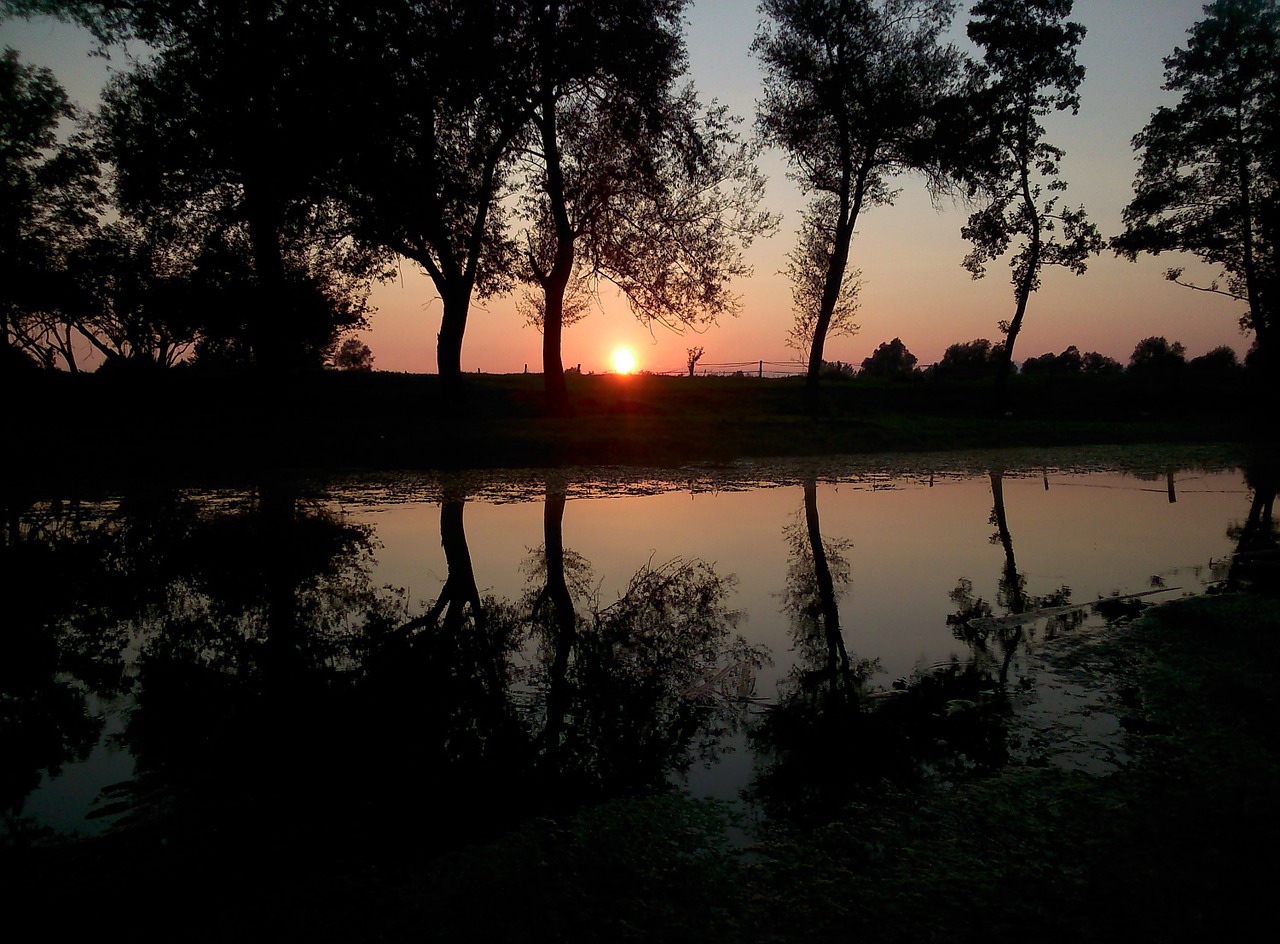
(760, 374)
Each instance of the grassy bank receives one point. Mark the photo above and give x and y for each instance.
(186, 424)
(1175, 846)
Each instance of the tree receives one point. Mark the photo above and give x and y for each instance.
(1156, 357)
(136, 296)
(1209, 164)
(694, 355)
(808, 265)
(227, 125)
(855, 92)
(439, 90)
(1096, 364)
(633, 183)
(969, 360)
(1029, 58)
(353, 354)
(48, 198)
(1070, 361)
(890, 361)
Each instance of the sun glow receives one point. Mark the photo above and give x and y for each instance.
(624, 362)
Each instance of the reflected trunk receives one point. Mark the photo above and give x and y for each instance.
(564, 619)
(837, 668)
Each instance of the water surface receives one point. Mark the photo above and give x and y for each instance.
(403, 649)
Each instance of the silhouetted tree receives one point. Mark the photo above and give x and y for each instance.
(1155, 356)
(1029, 56)
(1096, 364)
(48, 198)
(637, 186)
(856, 92)
(440, 90)
(136, 296)
(969, 360)
(694, 354)
(890, 361)
(1219, 364)
(1207, 183)
(353, 354)
(1070, 361)
(229, 123)
(808, 264)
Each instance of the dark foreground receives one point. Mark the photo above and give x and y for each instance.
(185, 425)
(1175, 846)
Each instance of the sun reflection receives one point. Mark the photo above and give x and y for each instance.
(624, 361)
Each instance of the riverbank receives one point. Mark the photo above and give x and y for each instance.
(1171, 846)
(193, 426)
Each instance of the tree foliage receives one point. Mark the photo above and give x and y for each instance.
(808, 265)
(1209, 163)
(1031, 70)
(890, 361)
(633, 184)
(49, 197)
(856, 92)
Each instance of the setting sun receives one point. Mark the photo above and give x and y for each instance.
(624, 362)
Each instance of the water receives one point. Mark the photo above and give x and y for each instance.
(396, 646)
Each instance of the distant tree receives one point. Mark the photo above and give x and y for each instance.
(1029, 56)
(855, 92)
(1207, 183)
(1096, 364)
(1218, 364)
(353, 354)
(1069, 361)
(695, 355)
(969, 360)
(890, 361)
(1156, 356)
(48, 198)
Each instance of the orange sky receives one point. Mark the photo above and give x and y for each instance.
(909, 253)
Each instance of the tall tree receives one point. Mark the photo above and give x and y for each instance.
(439, 90)
(229, 124)
(1207, 180)
(856, 92)
(1029, 58)
(636, 184)
(48, 198)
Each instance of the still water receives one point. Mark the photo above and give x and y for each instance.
(414, 652)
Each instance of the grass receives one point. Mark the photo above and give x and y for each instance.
(184, 425)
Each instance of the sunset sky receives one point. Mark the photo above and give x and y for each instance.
(909, 253)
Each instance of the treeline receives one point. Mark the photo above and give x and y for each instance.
(1152, 358)
(245, 183)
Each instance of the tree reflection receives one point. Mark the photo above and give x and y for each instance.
(832, 739)
(975, 621)
(436, 703)
(79, 595)
(1255, 562)
(629, 692)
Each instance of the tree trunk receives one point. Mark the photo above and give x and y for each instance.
(453, 324)
(1006, 355)
(850, 206)
(556, 281)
